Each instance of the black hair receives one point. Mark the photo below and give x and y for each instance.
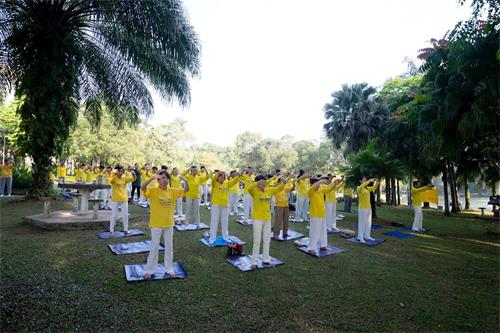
(318, 176)
(164, 167)
(313, 180)
(301, 172)
(119, 167)
(415, 183)
(202, 167)
(329, 175)
(194, 167)
(155, 168)
(260, 177)
(164, 172)
(278, 170)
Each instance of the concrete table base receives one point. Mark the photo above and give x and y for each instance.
(66, 219)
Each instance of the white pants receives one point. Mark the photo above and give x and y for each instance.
(204, 192)
(114, 213)
(178, 206)
(219, 213)
(168, 235)
(233, 202)
(331, 215)
(419, 217)
(261, 230)
(317, 233)
(301, 207)
(107, 196)
(129, 189)
(192, 211)
(364, 222)
(273, 202)
(247, 206)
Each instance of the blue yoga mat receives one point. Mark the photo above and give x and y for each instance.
(130, 248)
(244, 263)
(191, 227)
(377, 241)
(220, 241)
(331, 231)
(242, 222)
(322, 253)
(119, 234)
(374, 226)
(398, 234)
(418, 232)
(292, 234)
(136, 272)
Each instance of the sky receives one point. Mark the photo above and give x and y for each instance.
(269, 66)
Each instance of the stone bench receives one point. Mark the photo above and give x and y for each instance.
(75, 197)
(96, 203)
(46, 205)
(482, 210)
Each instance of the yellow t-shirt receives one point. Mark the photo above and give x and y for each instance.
(247, 181)
(235, 189)
(61, 171)
(175, 181)
(317, 200)
(363, 191)
(282, 196)
(417, 194)
(7, 170)
(119, 187)
(204, 174)
(80, 174)
(332, 195)
(303, 186)
(220, 192)
(162, 206)
(347, 192)
(194, 185)
(262, 200)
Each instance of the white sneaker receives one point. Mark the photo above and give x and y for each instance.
(361, 240)
(369, 238)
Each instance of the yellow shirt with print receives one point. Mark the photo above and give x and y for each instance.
(282, 196)
(363, 191)
(248, 180)
(262, 200)
(204, 174)
(317, 200)
(303, 186)
(162, 206)
(332, 195)
(119, 187)
(235, 189)
(220, 192)
(194, 185)
(175, 181)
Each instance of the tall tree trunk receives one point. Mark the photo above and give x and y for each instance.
(399, 196)
(467, 193)
(373, 204)
(454, 204)
(455, 188)
(445, 189)
(393, 193)
(409, 191)
(378, 196)
(387, 190)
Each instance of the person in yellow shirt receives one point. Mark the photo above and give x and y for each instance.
(331, 204)
(302, 185)
(145, 170)
(61, 173)
(261, 195)
(416, 202)
(347, 199)
(118, 182)
(6, 178)
(176, 182)
(220, 204)
(281, 209)
(80, 173)
(317, 225)
(193, 178)
(364, 208)
(234, 193)
(161, 219)
(204, 185)
(248, 178)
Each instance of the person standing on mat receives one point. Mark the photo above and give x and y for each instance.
(220, 204)
(234, 193)
(161, 220)
(261, 195)
(281, 209)
(317, 225)
(204, 185)
(416, 202)
(331, 204)
(302, 186)
(118, 182)
(136, 184)
(248, 178)
(176, 182)
(364, 208)
(193, 178)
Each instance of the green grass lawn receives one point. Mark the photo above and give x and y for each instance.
(447, 280)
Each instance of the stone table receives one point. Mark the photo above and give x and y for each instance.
(84, 189)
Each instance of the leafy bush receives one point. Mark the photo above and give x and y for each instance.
(21, 178)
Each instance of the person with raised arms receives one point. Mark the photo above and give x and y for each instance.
(176, 182)
(220, 204)
(261, 195)
(118, 181)
(204, 185)
(364, 208)
(302, 185)
(248, 177)
(416, 202)
(193, 178)
(161, 219)
(234, 193)
(331, 204)
(281, 208)
(317, 225)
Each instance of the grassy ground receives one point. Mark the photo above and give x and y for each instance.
(70, 281)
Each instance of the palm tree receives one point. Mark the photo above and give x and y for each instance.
(60, 54)
(354, 116)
